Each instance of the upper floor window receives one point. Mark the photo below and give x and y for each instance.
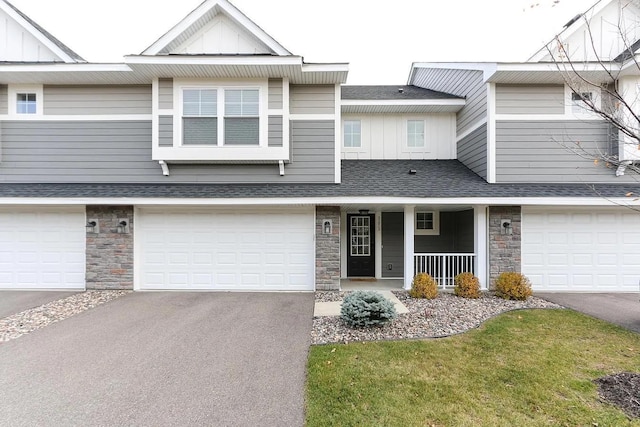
(580, 101)
(415, 133)
(26, 103)
(352, 134)
(220, 116)
(427, 223)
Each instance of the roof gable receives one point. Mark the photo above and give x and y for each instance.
(216, 27)
(23, 40)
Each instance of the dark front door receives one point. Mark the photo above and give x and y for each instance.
(361, 248)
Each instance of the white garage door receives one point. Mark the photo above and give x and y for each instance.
(579, 249)
(42, 248)
(254, 250)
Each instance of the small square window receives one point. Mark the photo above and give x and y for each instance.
(415, 133)
(427, 223)
(580, 100)
(352, 134)
(26, 103)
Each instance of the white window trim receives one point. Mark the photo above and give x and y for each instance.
(435, 231)
(250, 153)
(596, 94)
(12, 94)
(405, 136)
(359, 147)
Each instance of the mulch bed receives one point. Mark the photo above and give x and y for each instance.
(621, 390)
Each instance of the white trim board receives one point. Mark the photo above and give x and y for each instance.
(75, 117)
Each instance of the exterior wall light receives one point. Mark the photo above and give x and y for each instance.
(327, 226)
(123, 226)
(93, 226)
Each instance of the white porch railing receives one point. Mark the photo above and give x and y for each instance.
(444, 267)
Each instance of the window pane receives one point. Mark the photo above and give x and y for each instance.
(241, 102)
(352, 133)
(415, 133)
(199, 102)
(241, 131)
(26, 103)
(200, 131)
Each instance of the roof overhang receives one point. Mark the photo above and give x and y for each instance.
(551, 72)
(69, 74)
(402, 106)
(243, 67)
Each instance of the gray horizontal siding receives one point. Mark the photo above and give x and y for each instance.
(275, 131)
(472, 151)
(464, 83)
(529, 99)
(275, 94)
(165, 94)
(312, 99)
(165, 131)
(393, 244)
(536, 152)
(4, 105)
(86, 100)
(120, 152)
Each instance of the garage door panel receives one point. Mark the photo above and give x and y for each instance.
(584, 249)
(244, 250)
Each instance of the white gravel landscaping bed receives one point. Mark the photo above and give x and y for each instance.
(443, 316)
(22, 323)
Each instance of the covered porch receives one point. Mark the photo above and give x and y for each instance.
(384, 247)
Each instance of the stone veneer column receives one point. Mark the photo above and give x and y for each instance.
(328, 249)
(504, 249)
(109, 254)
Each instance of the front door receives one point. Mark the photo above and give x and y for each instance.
(361, 248)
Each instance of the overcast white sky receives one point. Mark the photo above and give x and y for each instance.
(379, 39)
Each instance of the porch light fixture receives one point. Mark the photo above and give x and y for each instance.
(123, 226)
(93, 226)
(363, 211)
(327, 226)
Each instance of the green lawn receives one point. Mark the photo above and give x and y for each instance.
(532, 368)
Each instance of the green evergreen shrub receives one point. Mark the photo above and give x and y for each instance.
(366, 308)
(466, 285)
(423, 286)
(516, 286)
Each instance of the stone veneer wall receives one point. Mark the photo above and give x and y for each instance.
(110, 254)
(328, 249)
(504, 250)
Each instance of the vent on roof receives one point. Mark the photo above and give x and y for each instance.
(401, 90)
(574, 19)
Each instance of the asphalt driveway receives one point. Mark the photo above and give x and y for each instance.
(12, 302)
(620, 308)
(156, 359)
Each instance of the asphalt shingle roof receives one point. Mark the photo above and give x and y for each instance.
(392, 93)
(360, 178)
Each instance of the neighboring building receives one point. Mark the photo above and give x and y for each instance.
(218, 160)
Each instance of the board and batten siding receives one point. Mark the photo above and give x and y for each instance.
(530, 99)
(98, 100)
(393, 244)
(312, 99)
(464, 83)
(120, 152)
(384, 137)
(165, 94)
(472, 151)
(4, 105)
(537, 152)
(275, 94)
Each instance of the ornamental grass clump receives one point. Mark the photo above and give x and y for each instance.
(366, 308)
(516, 286)
(423, 286)
(466, 285)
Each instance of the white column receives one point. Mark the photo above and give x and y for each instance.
(480, 244)
(409, 249)
(378, 238)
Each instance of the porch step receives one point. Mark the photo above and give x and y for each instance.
(333, 308)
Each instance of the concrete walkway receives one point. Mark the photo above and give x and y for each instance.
(620, 308)
(333, 308)
(164, 359)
